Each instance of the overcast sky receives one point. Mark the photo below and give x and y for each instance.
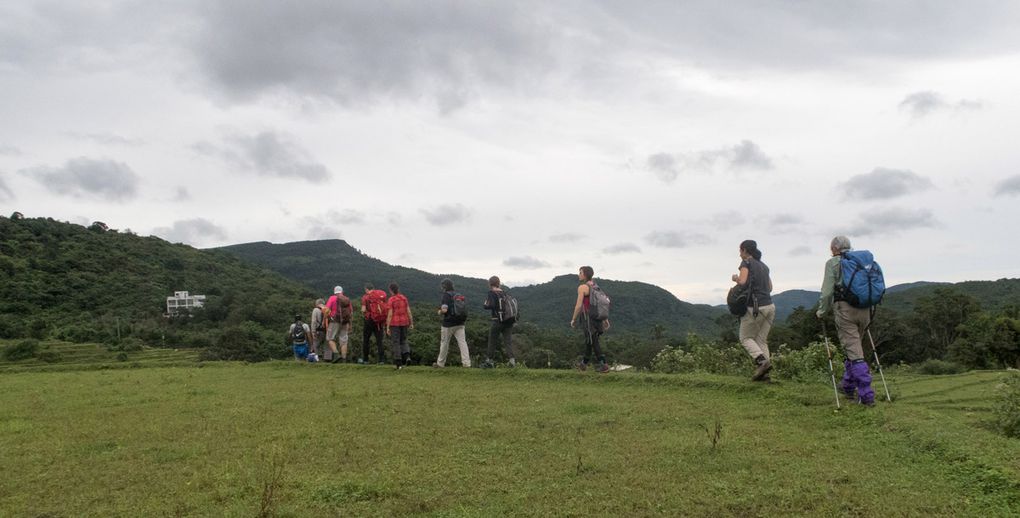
(526, 139)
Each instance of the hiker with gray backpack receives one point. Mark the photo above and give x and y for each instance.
(503, 307)
(753, 304)
(592, 307)
(852, 286)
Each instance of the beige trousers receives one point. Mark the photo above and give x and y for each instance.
(754, 331)
(851, 325)
(444, 345)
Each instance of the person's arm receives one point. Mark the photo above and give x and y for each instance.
(828, 287)
(410, 317)
(488, 300)
(582, 290)
(741, 279)
(770, 285)
(389, 317)
(447, 300)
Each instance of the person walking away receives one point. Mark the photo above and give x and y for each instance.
(851, 324)
(297, 336)
(503, 308)
(318, 325)
(373, 307)
(592, 326)
(761, 312)
(339, 311)
(453, 309)
(398, 321)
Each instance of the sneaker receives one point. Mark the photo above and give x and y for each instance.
(762, 370)
(381, 363)
(436, 366)
(603, 368)
(513, 363)
(487, 364)
(335, 360)
(399, 366)
(361, 361)
(581, 366)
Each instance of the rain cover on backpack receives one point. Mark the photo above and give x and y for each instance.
(598, 302)
(862, 284)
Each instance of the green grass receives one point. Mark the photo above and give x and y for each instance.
(70, 356)
(295, 439)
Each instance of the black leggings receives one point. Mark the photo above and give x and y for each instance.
(372, 328)
(592, 331)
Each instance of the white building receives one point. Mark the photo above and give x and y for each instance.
(181, 300)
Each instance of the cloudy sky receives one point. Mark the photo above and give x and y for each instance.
(525, 139)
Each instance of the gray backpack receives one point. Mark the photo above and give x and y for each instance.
(598, 302)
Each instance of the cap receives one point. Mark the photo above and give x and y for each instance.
(337, 290)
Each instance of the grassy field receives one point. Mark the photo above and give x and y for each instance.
(287, 439)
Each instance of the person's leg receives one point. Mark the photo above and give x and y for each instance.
(848, 385)
(380, 347)
(405, 347)
(344, 337)
(767, 314)
(395, 344)
(444, 345)
(749, 326)
(494, 335)
(862, 374)
(586, 328)
(507, 331)
(366, 338)
(465, 355)
(849, 325)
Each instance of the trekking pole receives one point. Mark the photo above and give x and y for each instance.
(832, 372)
(879, 365)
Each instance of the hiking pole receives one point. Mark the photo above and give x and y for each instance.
(832, 372)
(879, 365)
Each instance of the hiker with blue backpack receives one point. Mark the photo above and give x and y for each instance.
(592, 307)
(852, 286)
(756, 320)
(503, 307)
(453, 309)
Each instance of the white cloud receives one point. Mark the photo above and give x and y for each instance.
(267, 153)
(448, 214)
(195, 231)
(82, 177)
(884, 183)
(525, 263)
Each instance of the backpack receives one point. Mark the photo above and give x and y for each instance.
(375, 306)
(297, 334)
(459, 308)
(862, 284)
(740, 298)
(506, 309)
(598, 302)
(346, 309)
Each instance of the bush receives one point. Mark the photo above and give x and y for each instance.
(939, 367)
(808, 364)
(702, 356)
(22, 350)
(1007, 409)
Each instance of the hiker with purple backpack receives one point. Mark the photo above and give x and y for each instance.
(853, 284)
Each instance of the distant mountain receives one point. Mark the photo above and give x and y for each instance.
(992, 295)
(320, 265)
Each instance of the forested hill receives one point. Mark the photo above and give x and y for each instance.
(66, 281)
(637, 306)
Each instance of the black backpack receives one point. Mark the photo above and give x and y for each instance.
(458, 310)
(297, 334)
(507, 310)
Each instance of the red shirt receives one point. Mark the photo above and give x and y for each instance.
(401, 316)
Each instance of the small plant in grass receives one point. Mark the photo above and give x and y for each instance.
(22, 350)
(272, 482)
(939, 367)
(1007, 409)
(714, 434)
(808, 364)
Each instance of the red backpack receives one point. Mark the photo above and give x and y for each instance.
(375, 306)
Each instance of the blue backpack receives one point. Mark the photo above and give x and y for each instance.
(863, 284)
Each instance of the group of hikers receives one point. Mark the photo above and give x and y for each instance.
(391, 316)
(851, 287)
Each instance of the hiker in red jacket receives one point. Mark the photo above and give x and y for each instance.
(374, 309)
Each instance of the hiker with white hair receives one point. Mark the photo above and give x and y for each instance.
(318, 325)
(340, 311)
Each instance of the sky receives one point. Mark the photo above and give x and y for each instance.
(525, 139)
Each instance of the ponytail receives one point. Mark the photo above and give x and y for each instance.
(750, 247)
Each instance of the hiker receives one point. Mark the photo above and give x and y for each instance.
(297, 336)
(592, 326)
(398, 320)
(318, 326)
(339, 314)
(453, 309)
(373, 308)
(851, 324)
(503, 307)
(756, 323)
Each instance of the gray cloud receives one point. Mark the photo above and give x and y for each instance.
(446, 214)
(784, 221)
(1008, 187)
(920, 104)
(346, 216)
(800, 251)
(672, 239)
(6, 194)
(109, 139)
(394, 218)
(84, 177)
(727, 220)
(744, 156)
(525, 263)
(621, 248)
(191, 231)
(181, 194)
(567, 237)
(267, 154)
(9, 150)
(883, 183)
(892, 221)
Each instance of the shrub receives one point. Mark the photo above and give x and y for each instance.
(49, 356)
(1007, 408)
(808, 364)
(939, 367)
(22, 350)
(701, 356)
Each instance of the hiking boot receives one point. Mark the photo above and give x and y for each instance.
(603, 368)
(582, 366)
(335, 360)
(487, 364)
(436, 366)
(763, 369)
(361, 361)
